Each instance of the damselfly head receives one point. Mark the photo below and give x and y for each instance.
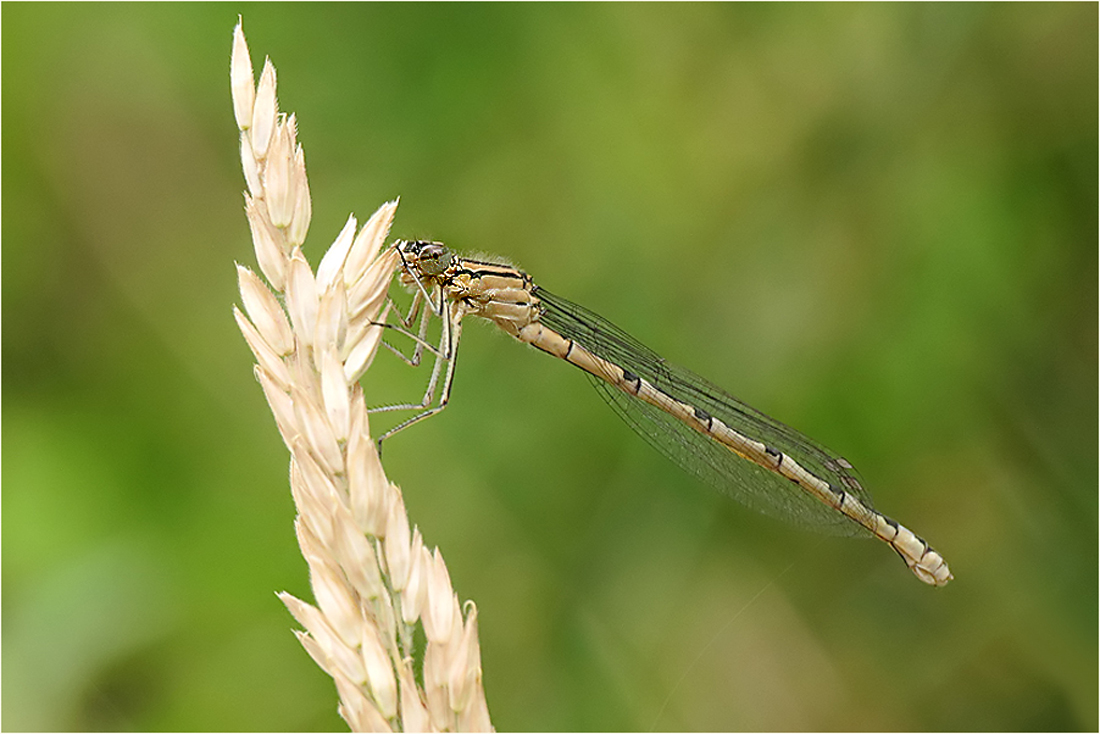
(429, 258)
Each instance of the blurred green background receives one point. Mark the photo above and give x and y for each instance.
(876, 223)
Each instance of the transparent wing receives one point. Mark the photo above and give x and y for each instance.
(697, 453)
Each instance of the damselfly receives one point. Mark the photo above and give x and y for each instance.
(742, 452)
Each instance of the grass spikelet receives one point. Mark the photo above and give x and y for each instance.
(313, 336)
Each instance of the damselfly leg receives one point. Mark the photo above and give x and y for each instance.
(444, 351)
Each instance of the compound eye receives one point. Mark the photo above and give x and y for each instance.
(434, 258)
